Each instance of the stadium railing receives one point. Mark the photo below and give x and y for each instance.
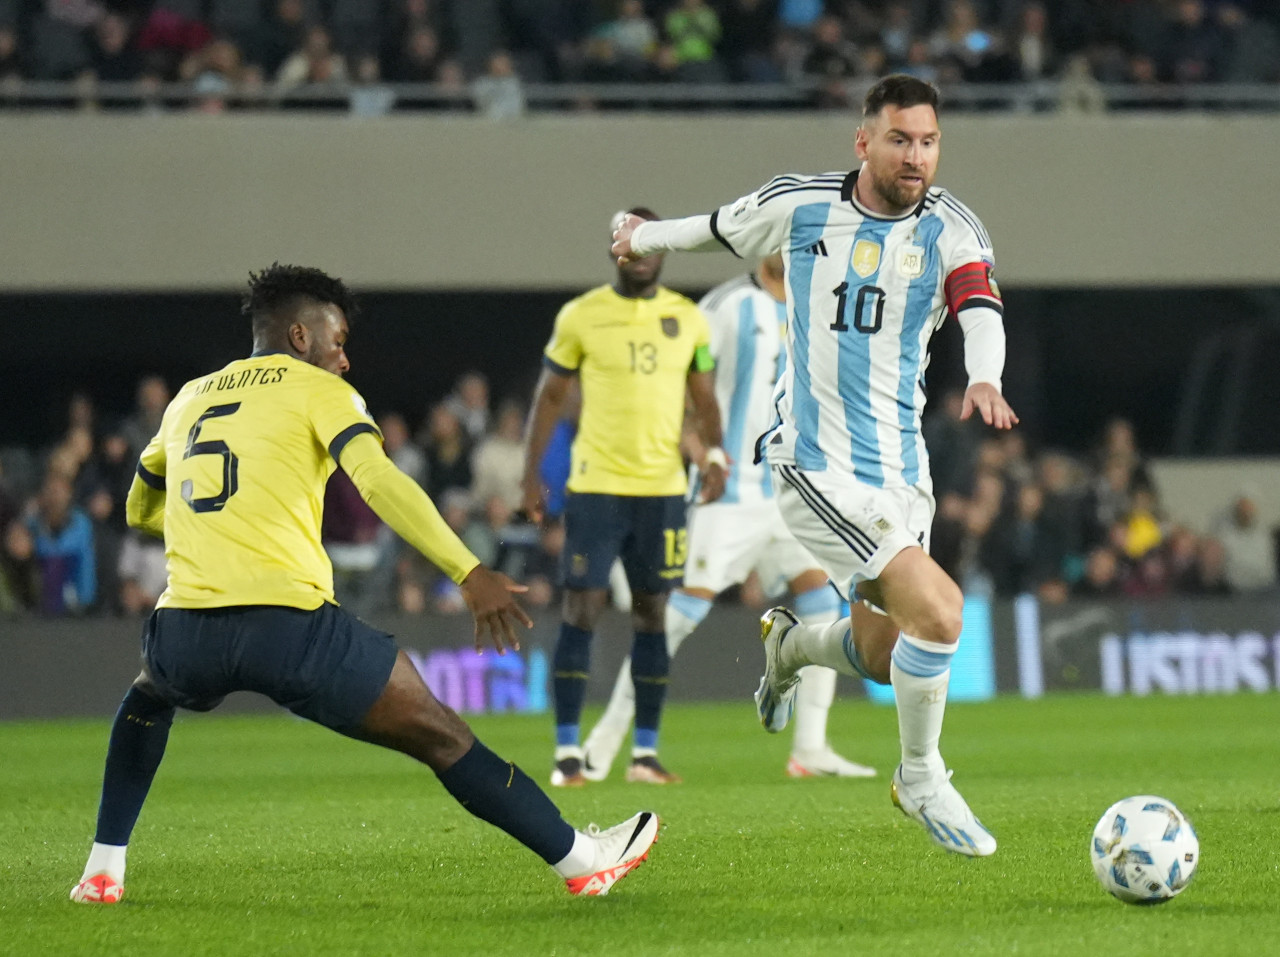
(1044, 96)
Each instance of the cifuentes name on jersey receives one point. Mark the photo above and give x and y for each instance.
(865, 293)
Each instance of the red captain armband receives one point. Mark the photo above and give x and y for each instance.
(971, 285)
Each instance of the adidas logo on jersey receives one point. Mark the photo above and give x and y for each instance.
(817, 249)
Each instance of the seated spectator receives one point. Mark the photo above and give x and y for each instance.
(694, 31)
(282, 35)
(469, 401)
(12, 67)
(750, 33)
(499, 94)
(961, 39)
(541, 570)
(401, 449)
(1031, 47)
(1194, 49)
(63, 543)
(1251, 48)
(417, 59)
(216, 73)
(1211, 563)
(114, 58)
(633, 35)
(1102, 575)
(151, 399)
(1022, 551)
(108, 534)
(497, 464)
(448, 452)
(1248, 548)
(897, 32)
(832, 56)
(315, 63)
(142, 572)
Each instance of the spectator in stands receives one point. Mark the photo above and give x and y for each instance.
(1248, 547)
(401, 449)
(831, 56)
(1022, 551)
(961, 39)
(1031, 46)
(279, 36)
(1251, 48)
(19, 572)
(315, 63)
(12, 67)
(216, 72)
(952, 444)
(103, 512)
(1108, 499)
(499, 94)
(1211, 562)
(152, 399)
(897, 32)
(417, 58)
(541, 570)
(750, 32)
(622, 49)
(142, 573)
(1063, 509)
(63, 543)
(469, 401)
(693, 28)
(349, 533)
(1102, 575)
(497, 464)
(448, 452)
(370, 96)
(114, 58)
(1194, 50)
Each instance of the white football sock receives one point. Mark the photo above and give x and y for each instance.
(920, 671)
(106, 859)
(819, 645)
(581, 857)
(814, 695)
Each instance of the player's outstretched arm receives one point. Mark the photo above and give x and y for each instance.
(691, 234)
(986, 399)
(548, 400)
(400, 502)
(713, 465)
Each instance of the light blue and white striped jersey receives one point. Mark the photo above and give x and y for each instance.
(865, 293)
(747, 343)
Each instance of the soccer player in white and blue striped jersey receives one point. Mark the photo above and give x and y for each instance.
(876, 260)
(742, 531)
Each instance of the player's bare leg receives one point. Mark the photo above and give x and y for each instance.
(409, 718)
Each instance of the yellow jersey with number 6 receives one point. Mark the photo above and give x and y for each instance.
(243, 456)
(633, 357)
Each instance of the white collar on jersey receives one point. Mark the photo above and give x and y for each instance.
(849, 196)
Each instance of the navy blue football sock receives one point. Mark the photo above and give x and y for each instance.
(499, 792)
(649, 667)
(570, 667)
(137, 744)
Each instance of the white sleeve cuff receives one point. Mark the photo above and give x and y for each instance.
(983, 344)
(693, 233)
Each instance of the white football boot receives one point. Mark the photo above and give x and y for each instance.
(825, 764)
(776, 696)
(619, 851)
(943, 813)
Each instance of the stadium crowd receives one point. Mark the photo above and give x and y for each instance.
(1008, 520)
(478, 54)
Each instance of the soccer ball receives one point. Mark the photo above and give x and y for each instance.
(1144, 850)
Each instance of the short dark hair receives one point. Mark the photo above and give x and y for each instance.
(277, 290)
(644, 212)
(900, 90)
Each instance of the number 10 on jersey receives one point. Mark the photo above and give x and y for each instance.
(868, 309)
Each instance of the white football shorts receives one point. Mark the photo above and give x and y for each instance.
(729, 540)
(852, 529)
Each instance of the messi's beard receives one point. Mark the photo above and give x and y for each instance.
(896, 193)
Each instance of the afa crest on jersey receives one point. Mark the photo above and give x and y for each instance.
(911, 260)
(866, 257)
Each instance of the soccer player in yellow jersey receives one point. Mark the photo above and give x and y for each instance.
(234, 482)
(636, 348)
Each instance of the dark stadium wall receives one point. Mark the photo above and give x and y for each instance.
(1076, 357)
(184, 202)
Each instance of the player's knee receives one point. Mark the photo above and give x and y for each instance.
(876, 661)
(440, 736)
(945, 618)
(648, 613)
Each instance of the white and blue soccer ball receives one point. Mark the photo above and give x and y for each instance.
(1144, 850)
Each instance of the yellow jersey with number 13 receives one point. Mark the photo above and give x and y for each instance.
(633, 357)
(243, 455)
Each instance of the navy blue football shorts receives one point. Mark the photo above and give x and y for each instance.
(646, 531)
(324, 665)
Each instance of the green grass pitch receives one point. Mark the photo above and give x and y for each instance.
(271, 836)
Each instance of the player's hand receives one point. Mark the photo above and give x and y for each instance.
(622, 230)
(990, 404)
(533, 499)
(713, 478)
(488, 595)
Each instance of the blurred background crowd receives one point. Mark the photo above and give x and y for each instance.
(481, 54)
(1010, 520)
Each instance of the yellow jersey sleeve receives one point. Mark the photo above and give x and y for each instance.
(564, 351)
(400, 502)
(338, 414)
(144, 507)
